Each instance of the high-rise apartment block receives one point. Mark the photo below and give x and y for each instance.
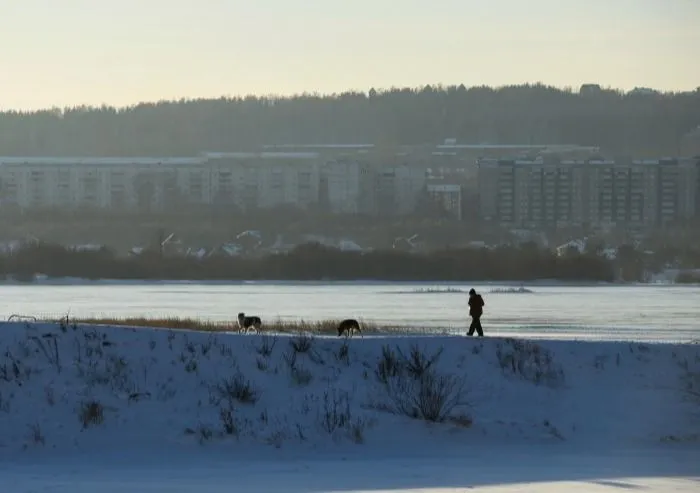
(543, 193)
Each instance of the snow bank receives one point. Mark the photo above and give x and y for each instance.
(99, 389)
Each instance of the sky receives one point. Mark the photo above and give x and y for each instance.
(57, 53)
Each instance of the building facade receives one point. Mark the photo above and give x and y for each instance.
(42, 183)
(448, 196)
(542, 193)
(345, 184)
(242, 180)
(263, 180)
(226, 180)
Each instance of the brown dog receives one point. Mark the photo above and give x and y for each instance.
(348, 326)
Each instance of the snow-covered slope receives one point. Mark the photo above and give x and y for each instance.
(108, 391)
(164, 388)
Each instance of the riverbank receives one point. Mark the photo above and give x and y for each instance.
(326, 327)
(135, 403)
(313, 262)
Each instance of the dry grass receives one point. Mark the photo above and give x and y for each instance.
(317, 327)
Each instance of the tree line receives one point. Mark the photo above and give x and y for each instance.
(312, 262)
(620, 123)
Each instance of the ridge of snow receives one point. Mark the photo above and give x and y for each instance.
(159, 390)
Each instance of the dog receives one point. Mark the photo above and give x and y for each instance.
(348, 326)
(247, 323)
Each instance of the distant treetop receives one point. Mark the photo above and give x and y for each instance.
(640, 122)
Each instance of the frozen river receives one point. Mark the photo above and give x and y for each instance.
(642, 312)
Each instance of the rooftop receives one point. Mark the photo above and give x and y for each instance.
(98, 161)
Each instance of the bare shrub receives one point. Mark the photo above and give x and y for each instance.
(334, 416)
(5, 373)
(690, 383)
(192, 366)
(205, 347)
(262, 363)
(414, 388)
(109, 370)
(417, 363)
(276, 438)
(530, 362)
(315, 357)
(190, 347)
(356, 430)
(36, 436)
(438, 395)
(91, 413)
(388, 366)
(343, 353)
(301, 343)
(138, 396)
(290, 358)
(301, 376)
(227, 421)
(267, 345)
(225, 351)
(171, 339)
(204, 433)
(335, 410)
(300, 433)
(236, 388)
(4, 403)
(50, 397)
(432, 397)
(48, 345)
(13, 370)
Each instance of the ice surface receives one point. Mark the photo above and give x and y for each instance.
(624, 312)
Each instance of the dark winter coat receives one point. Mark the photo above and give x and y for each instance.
(476, 305)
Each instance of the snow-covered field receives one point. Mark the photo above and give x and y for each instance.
(112, 409)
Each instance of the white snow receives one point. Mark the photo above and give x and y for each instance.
(631, 313)
(546, 415)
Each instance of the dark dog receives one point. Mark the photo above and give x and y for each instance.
(247, 323)
(348, 326)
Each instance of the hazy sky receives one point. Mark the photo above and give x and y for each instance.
(119, 52)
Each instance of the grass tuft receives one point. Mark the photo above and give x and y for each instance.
(326, 327)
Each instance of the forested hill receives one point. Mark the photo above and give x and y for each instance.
(637, 124)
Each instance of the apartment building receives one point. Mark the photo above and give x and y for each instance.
(356, 186)
(449, 196)
(393, 189)
(251, 180)
(246, 180)
(49, 182)
(597, 192)
(236, 180)
(346, 185)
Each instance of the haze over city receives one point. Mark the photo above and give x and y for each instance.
(77, 52)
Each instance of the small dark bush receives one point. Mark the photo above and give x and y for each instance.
(236, 388)
(302, 343)
(91, 413)
(388, 366)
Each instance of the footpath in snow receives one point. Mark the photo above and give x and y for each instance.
(160, 410)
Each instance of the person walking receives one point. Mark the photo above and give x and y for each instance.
(476, 309)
